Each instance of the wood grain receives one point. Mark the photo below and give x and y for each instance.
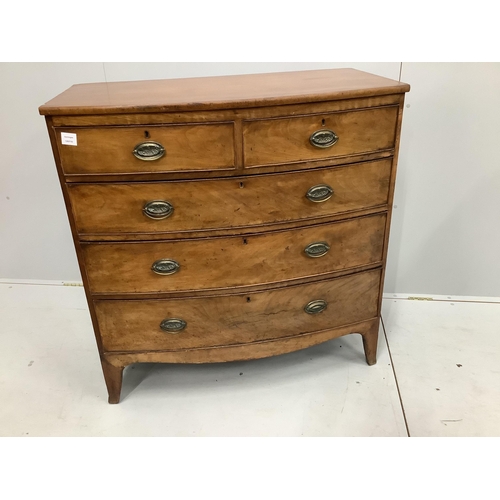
(392, 187)
(236, 203)
(221, 173)
(255, 350)
(237, 166)
(210, 292)
(231, 231)
(370, 344)
(222, 262)
(109, 149)
(237, 319)
(286, 140)
(113, 376)
(74, 234)
(220, 92)
(223, 114)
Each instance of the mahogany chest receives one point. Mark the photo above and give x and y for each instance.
(228, 218)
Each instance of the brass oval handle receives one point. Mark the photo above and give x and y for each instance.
(173, 325)
(315, 306)
(149, 151)
(323, 138)
(158, 209)
(317, 249)
(319, 193)
(165, 267)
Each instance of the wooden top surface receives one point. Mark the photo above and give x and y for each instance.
(220, 92)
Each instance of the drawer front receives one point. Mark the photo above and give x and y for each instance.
(110, 150)
(288, 140)
(128, 325)
(164, 207)
(236, 261)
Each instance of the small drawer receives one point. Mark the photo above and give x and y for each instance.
(318, 137)
(177, 206)
(236, 261)
(172, 324)
(152, 148)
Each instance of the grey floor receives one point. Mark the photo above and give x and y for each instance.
(445, 379)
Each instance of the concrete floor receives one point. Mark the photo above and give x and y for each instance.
(445, 380)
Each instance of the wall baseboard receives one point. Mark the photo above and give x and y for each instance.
(386, 296)
(15, 281)
(441, 298)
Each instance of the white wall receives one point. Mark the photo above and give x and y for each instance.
(35, 238)
(444, 238)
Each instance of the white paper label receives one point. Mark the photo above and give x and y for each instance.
(68, 139)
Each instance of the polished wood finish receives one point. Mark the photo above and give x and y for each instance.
(221, 92)
(254, 350)
(110, 150)
(235, 261)
(370, 341)
(74, 234)
(237, 166)
(225, 173)
(227, 115)
(286, 140)
(236, 203)
(113, 378)
(392, 186)
(134, 325)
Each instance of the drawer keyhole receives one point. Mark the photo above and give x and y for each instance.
(323, 122)
(146, 134)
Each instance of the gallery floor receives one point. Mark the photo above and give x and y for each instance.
(437, 375)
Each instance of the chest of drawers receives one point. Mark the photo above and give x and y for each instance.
(228, 218)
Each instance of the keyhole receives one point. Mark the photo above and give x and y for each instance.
(244, 241)
(323, 122)
(248, 299)
(146, 134)
(241, 184)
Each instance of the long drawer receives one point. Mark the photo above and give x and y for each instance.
(236, 261)
(138, 325)
(166, 207)
(318, 137)
(172, 148)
